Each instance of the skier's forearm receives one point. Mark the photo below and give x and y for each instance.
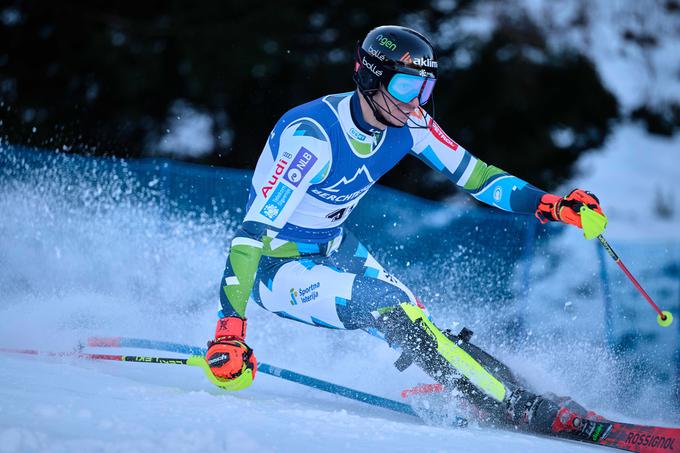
(486, 183)
(497, 188)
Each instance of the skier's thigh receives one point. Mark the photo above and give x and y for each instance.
(307, 291)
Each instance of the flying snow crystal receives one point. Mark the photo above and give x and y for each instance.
(189, 132)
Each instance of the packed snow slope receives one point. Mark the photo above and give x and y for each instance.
(101, 252)
(53, 406)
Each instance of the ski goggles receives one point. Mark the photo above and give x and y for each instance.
(406, 87)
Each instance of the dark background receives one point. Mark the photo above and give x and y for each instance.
(101, 78)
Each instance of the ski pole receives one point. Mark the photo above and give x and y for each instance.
(282, 373)
(125, 342)
(199, 361)
(594, 224)
(142, 343)
(115, 357)
(664, 318)
(193, 360)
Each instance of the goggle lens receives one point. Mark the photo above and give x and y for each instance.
(405, 87)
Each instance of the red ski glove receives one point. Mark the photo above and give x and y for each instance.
(231, 361)
(567, 209)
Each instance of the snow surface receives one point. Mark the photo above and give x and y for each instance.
(62, 406)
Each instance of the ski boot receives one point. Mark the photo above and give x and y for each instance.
(450, 360)
(565, 402)
(455, 363)
(549, 414)
(526, 410)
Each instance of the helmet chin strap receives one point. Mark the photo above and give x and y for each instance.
(378, 110)
(374, 107)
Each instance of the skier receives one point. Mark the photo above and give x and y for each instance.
(293, 256)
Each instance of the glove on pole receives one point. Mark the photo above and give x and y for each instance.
(568, 210)
(231, 361)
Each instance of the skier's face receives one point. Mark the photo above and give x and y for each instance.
(395, 111)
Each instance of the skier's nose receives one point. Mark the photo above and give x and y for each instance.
(414, 103)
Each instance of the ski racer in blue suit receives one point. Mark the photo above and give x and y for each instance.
(293, 256)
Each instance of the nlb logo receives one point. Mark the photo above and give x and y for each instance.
(441, 135)
(274, 177)
(302, 163)
(294, 176)
(385, 42)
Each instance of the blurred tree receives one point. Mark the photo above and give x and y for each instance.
(102, 78)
